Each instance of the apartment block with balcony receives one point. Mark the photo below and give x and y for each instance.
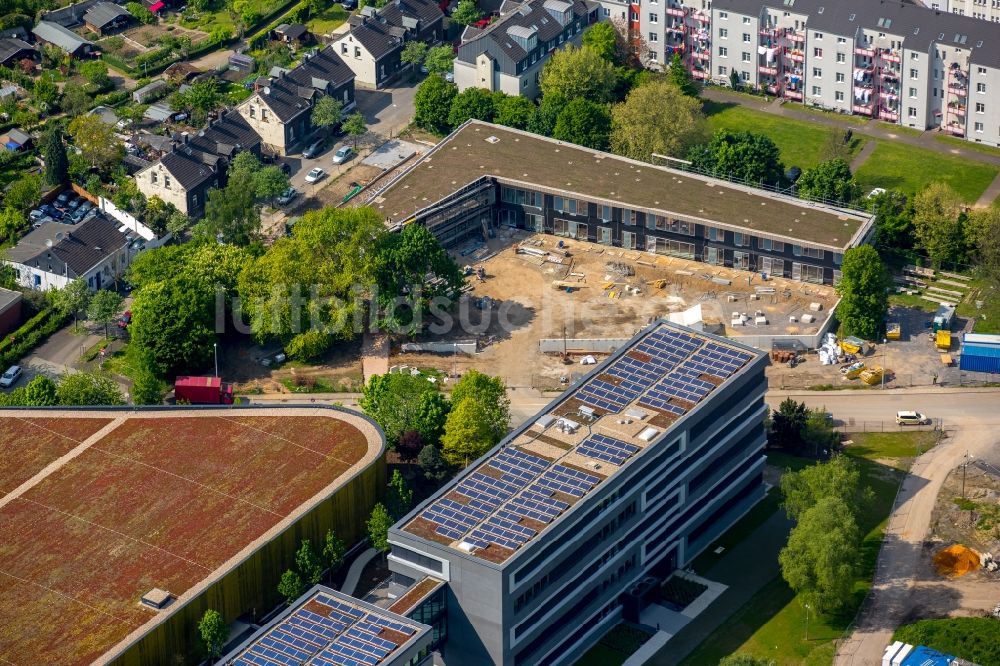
(986, 10)
(898, 63)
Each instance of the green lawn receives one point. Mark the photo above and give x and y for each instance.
(910, 169)
(601, 655)
(772, 625)
(741, 530)
(899, 447)
(801, 142)
(968, 145)
(328, 19)
(842, 117)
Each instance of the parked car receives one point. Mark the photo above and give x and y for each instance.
(315, 175)
(285, 167)
(911, 418)
(10, 377)
(86, 206)
(449, 77)
(63, 198)
(343, 154)
(74, 203)
(36, 215)
(350, 4)
(286, 197)
(41, 221)
(125, 319)
(51, 211)
(314, 149)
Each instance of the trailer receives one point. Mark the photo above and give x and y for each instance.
(943, 317)
(203, 391)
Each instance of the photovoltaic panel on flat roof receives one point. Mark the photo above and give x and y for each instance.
(608, 449)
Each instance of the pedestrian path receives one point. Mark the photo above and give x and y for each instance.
(863, 155)
(990, 195)
(357, 567)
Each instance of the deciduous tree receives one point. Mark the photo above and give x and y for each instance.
(12, 223)
(395, 401)
(378, 528)
(893, 221)
(97, 142)
(439, 59)
(578, 72)
(839, 478)
(935, 222)
(787, 424)
(291, 586)
(471, 103)
(679, 75)
(603, 40)
(656, 117)
(72, 299)
(829, 181)
(399, 496)
(821, 558)
(88, 389)
(231, 214)
(584, 123)
(328, 112)
(174, 321)
(513, 111)
(104, 308)
(333, 551)
(432, 465)
(44, 92)
(491, 394)
(356, 126)
(214, 632)
(308, 562)
(24, 193)
(414, 53)
(466, 12)
(432, 412)
(270, 182)
(467, 434)
(432, 104)
(746, 156)
(41, 392)
(862, 288)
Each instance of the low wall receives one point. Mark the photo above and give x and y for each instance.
(592, 345)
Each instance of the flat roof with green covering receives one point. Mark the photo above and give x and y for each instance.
(514, 157)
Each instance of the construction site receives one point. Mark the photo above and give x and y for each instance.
(539, 308)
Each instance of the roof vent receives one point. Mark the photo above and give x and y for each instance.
(648, 434)
(267, 90)
(492, 139)
(156, 598)
(587, 411)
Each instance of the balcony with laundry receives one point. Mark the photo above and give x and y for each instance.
(792, 89)
(890, 55)
(768, 62)
(958, 80)
(865, 95)
(794, 54)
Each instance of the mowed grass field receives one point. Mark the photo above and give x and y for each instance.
(892, 165)
(157, 502)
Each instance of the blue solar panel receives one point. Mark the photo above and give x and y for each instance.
(608, 449)
(350, 611)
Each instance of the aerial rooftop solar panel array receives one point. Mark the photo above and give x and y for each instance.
(343, 635)
(664, 368)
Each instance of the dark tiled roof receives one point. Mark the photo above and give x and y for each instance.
(293, 92)
(322, 66)
(424, 11)
(104, 13)
(293, 31)
(282, 97)
(226, 136)
(532, 15)
(379, 39)
(12, 46)
(75, 248)
(188, 166)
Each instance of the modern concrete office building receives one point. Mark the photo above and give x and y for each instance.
(548, 540)
(486, 176)
(898, 62)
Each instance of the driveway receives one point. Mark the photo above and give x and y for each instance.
(60, 353)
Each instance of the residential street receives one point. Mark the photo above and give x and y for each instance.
(59, 353)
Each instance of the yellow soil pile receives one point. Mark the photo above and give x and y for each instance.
(956, 560)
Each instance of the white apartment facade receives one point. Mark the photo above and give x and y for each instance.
(900, 63)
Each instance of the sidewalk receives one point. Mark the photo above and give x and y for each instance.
(357, 567)
(872, 128)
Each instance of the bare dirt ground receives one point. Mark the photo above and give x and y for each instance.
(602, 303)
(339, 370)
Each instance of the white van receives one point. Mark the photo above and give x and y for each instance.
(911, 418)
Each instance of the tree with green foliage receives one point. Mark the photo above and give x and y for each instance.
(231, 214)
(12, 223)
(378, 528)
(316, 277)
(356, 126)
(491, 394)
(200, 98)
(893, 221)
(141, 13)
(308, 345)
(413, 53)
(174, 321)
(584, 123)
(40, 392)
(983, 228)
(439, 59)
(72, 299)
(753, 158)
(432, 412)
(291, 586)
(147, 388)
(97, 142)
(656, 117)
(309, 563)
(96, 72)
(334, 550)
(977, 639)
(214, 632)
(734, 80)
(104, 307)
(89, 389)
(829, 181)
(24, 193)
(327, 112)
(404, 262)
(787, 425)
(270, 182)
(839, 478)
(543, 120)
(863, 287)
(466, 13)
(54, 153)
(399, 496)
(936, 225)
(433, 466)
(432, 104)
(467, 433)
(45, 93)
(471, 103)
(679, 75)
(578, 72)
(395, 400)
(602, 39)
(821, 557)
(513, 111)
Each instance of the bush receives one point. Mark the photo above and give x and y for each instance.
(34, 332)
(973, 638)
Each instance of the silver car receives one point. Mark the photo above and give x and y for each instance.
(10, 377)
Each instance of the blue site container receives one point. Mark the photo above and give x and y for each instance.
(925, 656)
(980, 357)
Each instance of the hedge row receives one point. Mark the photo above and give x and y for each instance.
(34, 332)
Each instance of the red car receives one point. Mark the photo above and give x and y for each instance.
(125, 319)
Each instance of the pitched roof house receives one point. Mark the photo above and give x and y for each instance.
(106, 17)
(373, 45)
(193, 165)
(54, 254)
(279, 110)
(14, 50)
(64, 38)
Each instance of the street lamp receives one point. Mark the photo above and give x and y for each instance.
(215, 353)
(885, 345)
